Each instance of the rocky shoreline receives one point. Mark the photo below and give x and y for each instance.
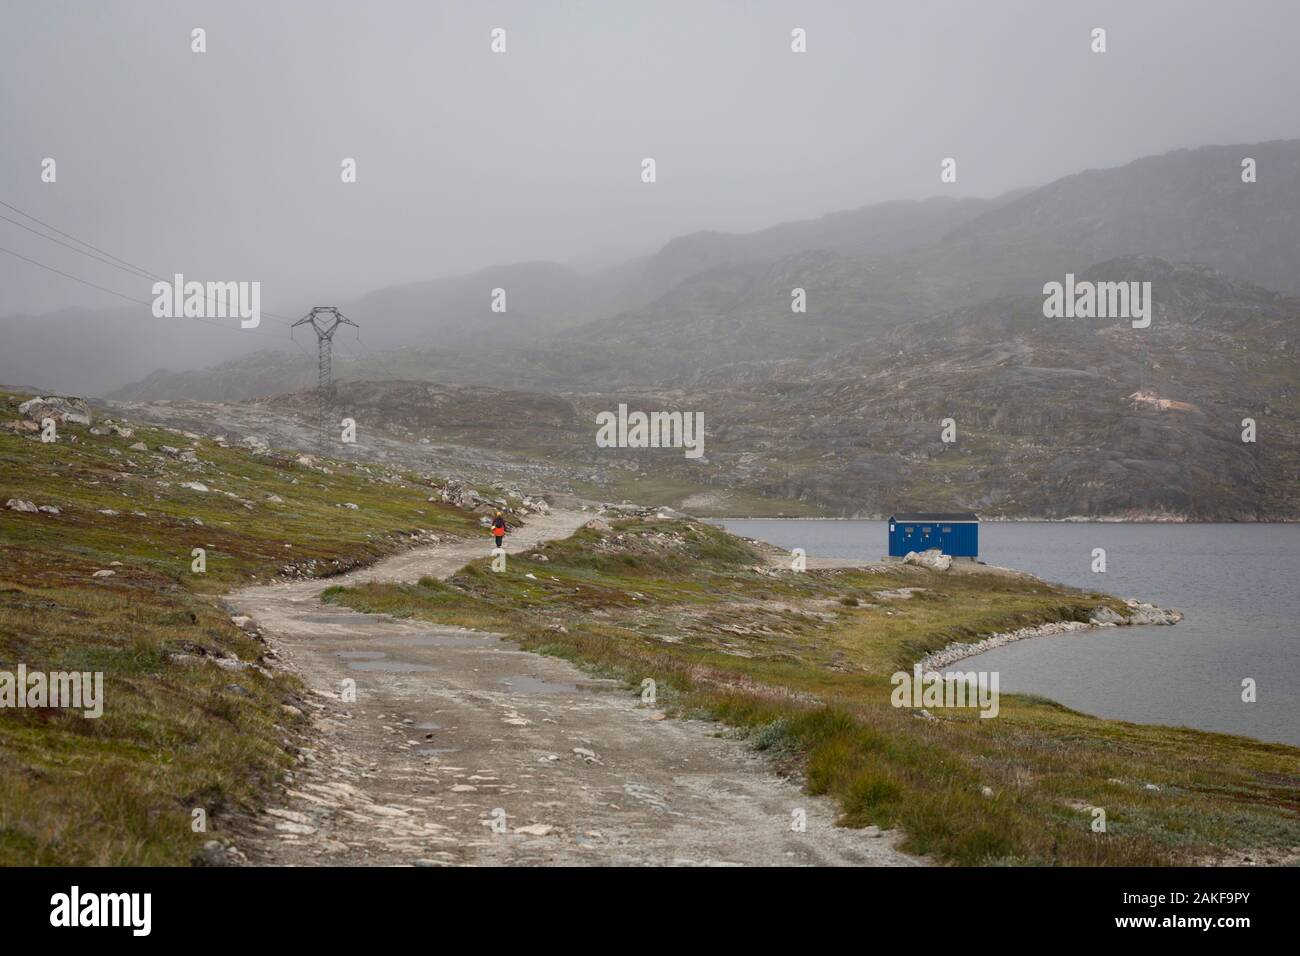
(1139, 614)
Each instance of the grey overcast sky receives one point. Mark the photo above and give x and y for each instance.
(226, 165)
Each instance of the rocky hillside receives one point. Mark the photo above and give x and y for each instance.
(876, 230)
(735, 321)
(1189, 204)
(1055, 417)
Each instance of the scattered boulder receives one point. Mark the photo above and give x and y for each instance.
(1142, 613)
(105, 573)
(351, 507)
(21, 504)
(596, 524)
(64, 409)
(931, 558)
(1104, 615)
(139, 446)
(194, 485)
(536, 829)
(50, 509)
(214, 853)
(20, 426)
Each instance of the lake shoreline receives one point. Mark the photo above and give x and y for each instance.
(1233, 581)
(1142, 615)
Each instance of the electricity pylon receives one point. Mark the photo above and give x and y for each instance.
(324, 329)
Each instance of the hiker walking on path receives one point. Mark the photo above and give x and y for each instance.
(498, 530)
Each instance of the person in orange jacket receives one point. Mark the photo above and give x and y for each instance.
(498, 530)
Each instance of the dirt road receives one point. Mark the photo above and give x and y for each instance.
(461, 748)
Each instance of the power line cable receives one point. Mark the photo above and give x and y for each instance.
(72, 237)
(123, 295)
(125, 266)
(129, 270)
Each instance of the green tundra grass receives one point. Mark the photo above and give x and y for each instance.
(800, 663)
(174, 737)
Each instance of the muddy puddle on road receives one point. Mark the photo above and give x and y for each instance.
(448, 640)
(523, 684)
(379, 661)
(535, 685)
(342, 616)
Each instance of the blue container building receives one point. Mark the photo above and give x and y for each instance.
(956, 534)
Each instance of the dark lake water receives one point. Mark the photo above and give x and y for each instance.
(1237, 584)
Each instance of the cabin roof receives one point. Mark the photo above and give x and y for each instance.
(950, 517)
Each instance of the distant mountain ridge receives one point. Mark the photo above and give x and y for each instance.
(718, 305)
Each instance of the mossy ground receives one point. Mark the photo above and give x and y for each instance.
(801, 663)
(121, 789)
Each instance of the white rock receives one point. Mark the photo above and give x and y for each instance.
(1141, 613)
(536, 829)
(1104, 615)
(103, 574)
(20, 504)
(931, 558)
(72, 411)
